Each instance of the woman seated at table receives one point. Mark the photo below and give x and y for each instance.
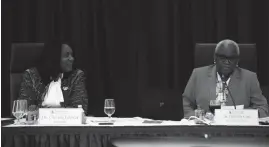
(53, 82)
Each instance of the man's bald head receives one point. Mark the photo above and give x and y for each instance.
(227, 45)
(226, 56)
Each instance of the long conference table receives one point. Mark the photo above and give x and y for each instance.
(134, 132)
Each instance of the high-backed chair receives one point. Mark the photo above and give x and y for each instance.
(23, 56)
(204, 55)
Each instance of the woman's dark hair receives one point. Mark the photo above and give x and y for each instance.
(49, 63)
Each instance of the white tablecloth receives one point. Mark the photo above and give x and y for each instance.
(135, 121)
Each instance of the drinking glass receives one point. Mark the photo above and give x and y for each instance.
(214, 104)
(109, 107)
(19, 109)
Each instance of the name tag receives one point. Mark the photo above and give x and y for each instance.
(60, 116)
(236, 117)
(238, 107)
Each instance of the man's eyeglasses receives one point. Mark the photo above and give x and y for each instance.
(223, 58)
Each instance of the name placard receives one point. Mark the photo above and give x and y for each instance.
(60, 116)
(236, 117)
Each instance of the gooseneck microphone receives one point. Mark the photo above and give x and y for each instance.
(226, 86)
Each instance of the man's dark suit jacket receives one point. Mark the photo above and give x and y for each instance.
(244, 87)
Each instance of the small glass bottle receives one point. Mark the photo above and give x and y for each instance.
(31, 117)
(83, 114)
(199, 112)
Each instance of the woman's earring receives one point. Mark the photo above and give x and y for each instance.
(236, 65)
(214, 62)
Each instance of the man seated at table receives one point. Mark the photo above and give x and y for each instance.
(206, 82)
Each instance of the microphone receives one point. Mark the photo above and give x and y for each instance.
(226, 86)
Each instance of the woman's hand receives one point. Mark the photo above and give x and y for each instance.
(51, 106)
(33, 108)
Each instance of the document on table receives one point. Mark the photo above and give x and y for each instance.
(135, 121)
(238, 107)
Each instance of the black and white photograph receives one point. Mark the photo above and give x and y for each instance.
(135, 73)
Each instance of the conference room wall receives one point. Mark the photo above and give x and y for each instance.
(139, 52)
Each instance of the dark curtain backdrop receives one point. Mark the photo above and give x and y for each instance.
(140, 52)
